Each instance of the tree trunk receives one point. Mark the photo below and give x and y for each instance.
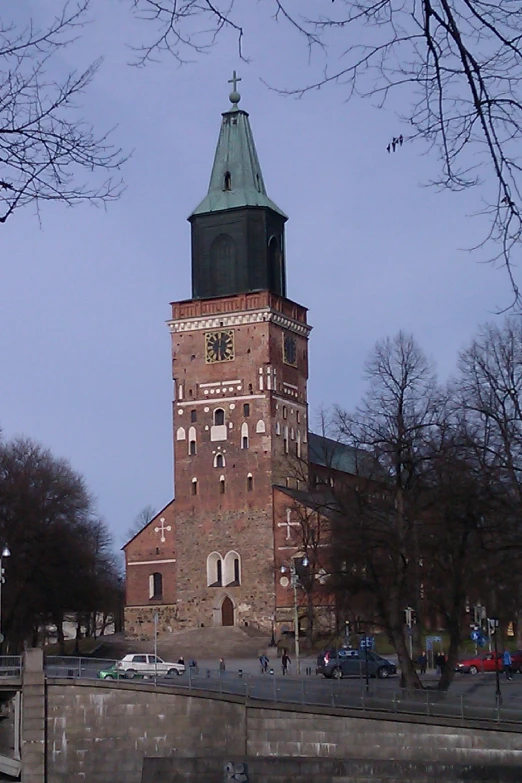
(58, 621)
(310, 620)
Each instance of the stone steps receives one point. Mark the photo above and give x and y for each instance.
(198, 643)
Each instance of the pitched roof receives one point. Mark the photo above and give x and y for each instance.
(332, 454)
(236, 158)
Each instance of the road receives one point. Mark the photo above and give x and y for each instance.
(470, 696)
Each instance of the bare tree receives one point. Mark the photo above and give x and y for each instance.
(61, 553)
(378, 515)
(489, 392)
(47, 151)
(311, 538)
(140, 520)
(456, 63)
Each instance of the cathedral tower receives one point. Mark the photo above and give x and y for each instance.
(240, 368)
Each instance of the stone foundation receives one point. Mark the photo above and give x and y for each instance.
(139, 622)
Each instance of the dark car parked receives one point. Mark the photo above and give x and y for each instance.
(347, 662)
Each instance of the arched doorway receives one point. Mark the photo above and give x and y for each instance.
(227, 612)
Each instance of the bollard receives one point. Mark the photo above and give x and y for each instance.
(240, 672)
(271, 671)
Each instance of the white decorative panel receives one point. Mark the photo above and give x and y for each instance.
(218, 432)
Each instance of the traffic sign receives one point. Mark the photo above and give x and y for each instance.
(431, 640)
(367, 643)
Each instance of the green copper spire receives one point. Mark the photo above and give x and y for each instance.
(236, 180)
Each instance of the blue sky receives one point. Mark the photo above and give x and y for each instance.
(85, 293)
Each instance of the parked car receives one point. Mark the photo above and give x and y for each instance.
(111, 673)
(485, 662)
(347, 662)
(147, 665)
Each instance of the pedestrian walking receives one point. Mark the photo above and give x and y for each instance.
(222, 665)
(507, 661)
(285, 662)
(264, 660)
(181, 660)
(423, 662)
(440, 662)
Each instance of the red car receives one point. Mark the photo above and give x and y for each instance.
(482, 663)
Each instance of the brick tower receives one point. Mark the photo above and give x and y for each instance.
(240, 368)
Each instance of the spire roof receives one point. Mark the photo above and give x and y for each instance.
(236, 180)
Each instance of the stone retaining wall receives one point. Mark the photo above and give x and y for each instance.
(99, 732)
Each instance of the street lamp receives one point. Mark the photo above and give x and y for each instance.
(294, 580)
(5, 553)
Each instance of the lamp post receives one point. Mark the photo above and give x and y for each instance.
(493, 626)
(294, 579)
(5, 553)
(156, 618)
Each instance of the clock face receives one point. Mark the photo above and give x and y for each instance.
(219, 346)
(289, 349)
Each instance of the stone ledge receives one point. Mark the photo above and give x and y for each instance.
(299, 709)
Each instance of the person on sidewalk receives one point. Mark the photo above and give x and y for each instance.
(285, 662)
(222, 666)
(423, 662)
(506, 660)
(264, 660)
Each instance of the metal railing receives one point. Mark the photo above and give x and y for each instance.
(10, 666)
(307, 691)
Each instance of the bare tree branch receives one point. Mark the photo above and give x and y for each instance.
(456, 63)
(46, 152)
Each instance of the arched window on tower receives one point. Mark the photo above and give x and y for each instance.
(244, 435)
(193, 415)
(250, 483)
(219, 417)
(214, 570)
(223, 266)
(275, 267)
(232, 570)
(194, 486)
(222, 485)
(227, 181)
(219, 461)
(155, 586)
(192, 441)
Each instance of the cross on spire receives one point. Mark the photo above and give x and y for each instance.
(234, 80)
(234, 96)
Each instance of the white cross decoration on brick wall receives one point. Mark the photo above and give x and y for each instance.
(288, 524)
(162, 529)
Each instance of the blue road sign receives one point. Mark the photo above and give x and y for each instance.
(431, 640)
(478, 637)
(367, 643)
